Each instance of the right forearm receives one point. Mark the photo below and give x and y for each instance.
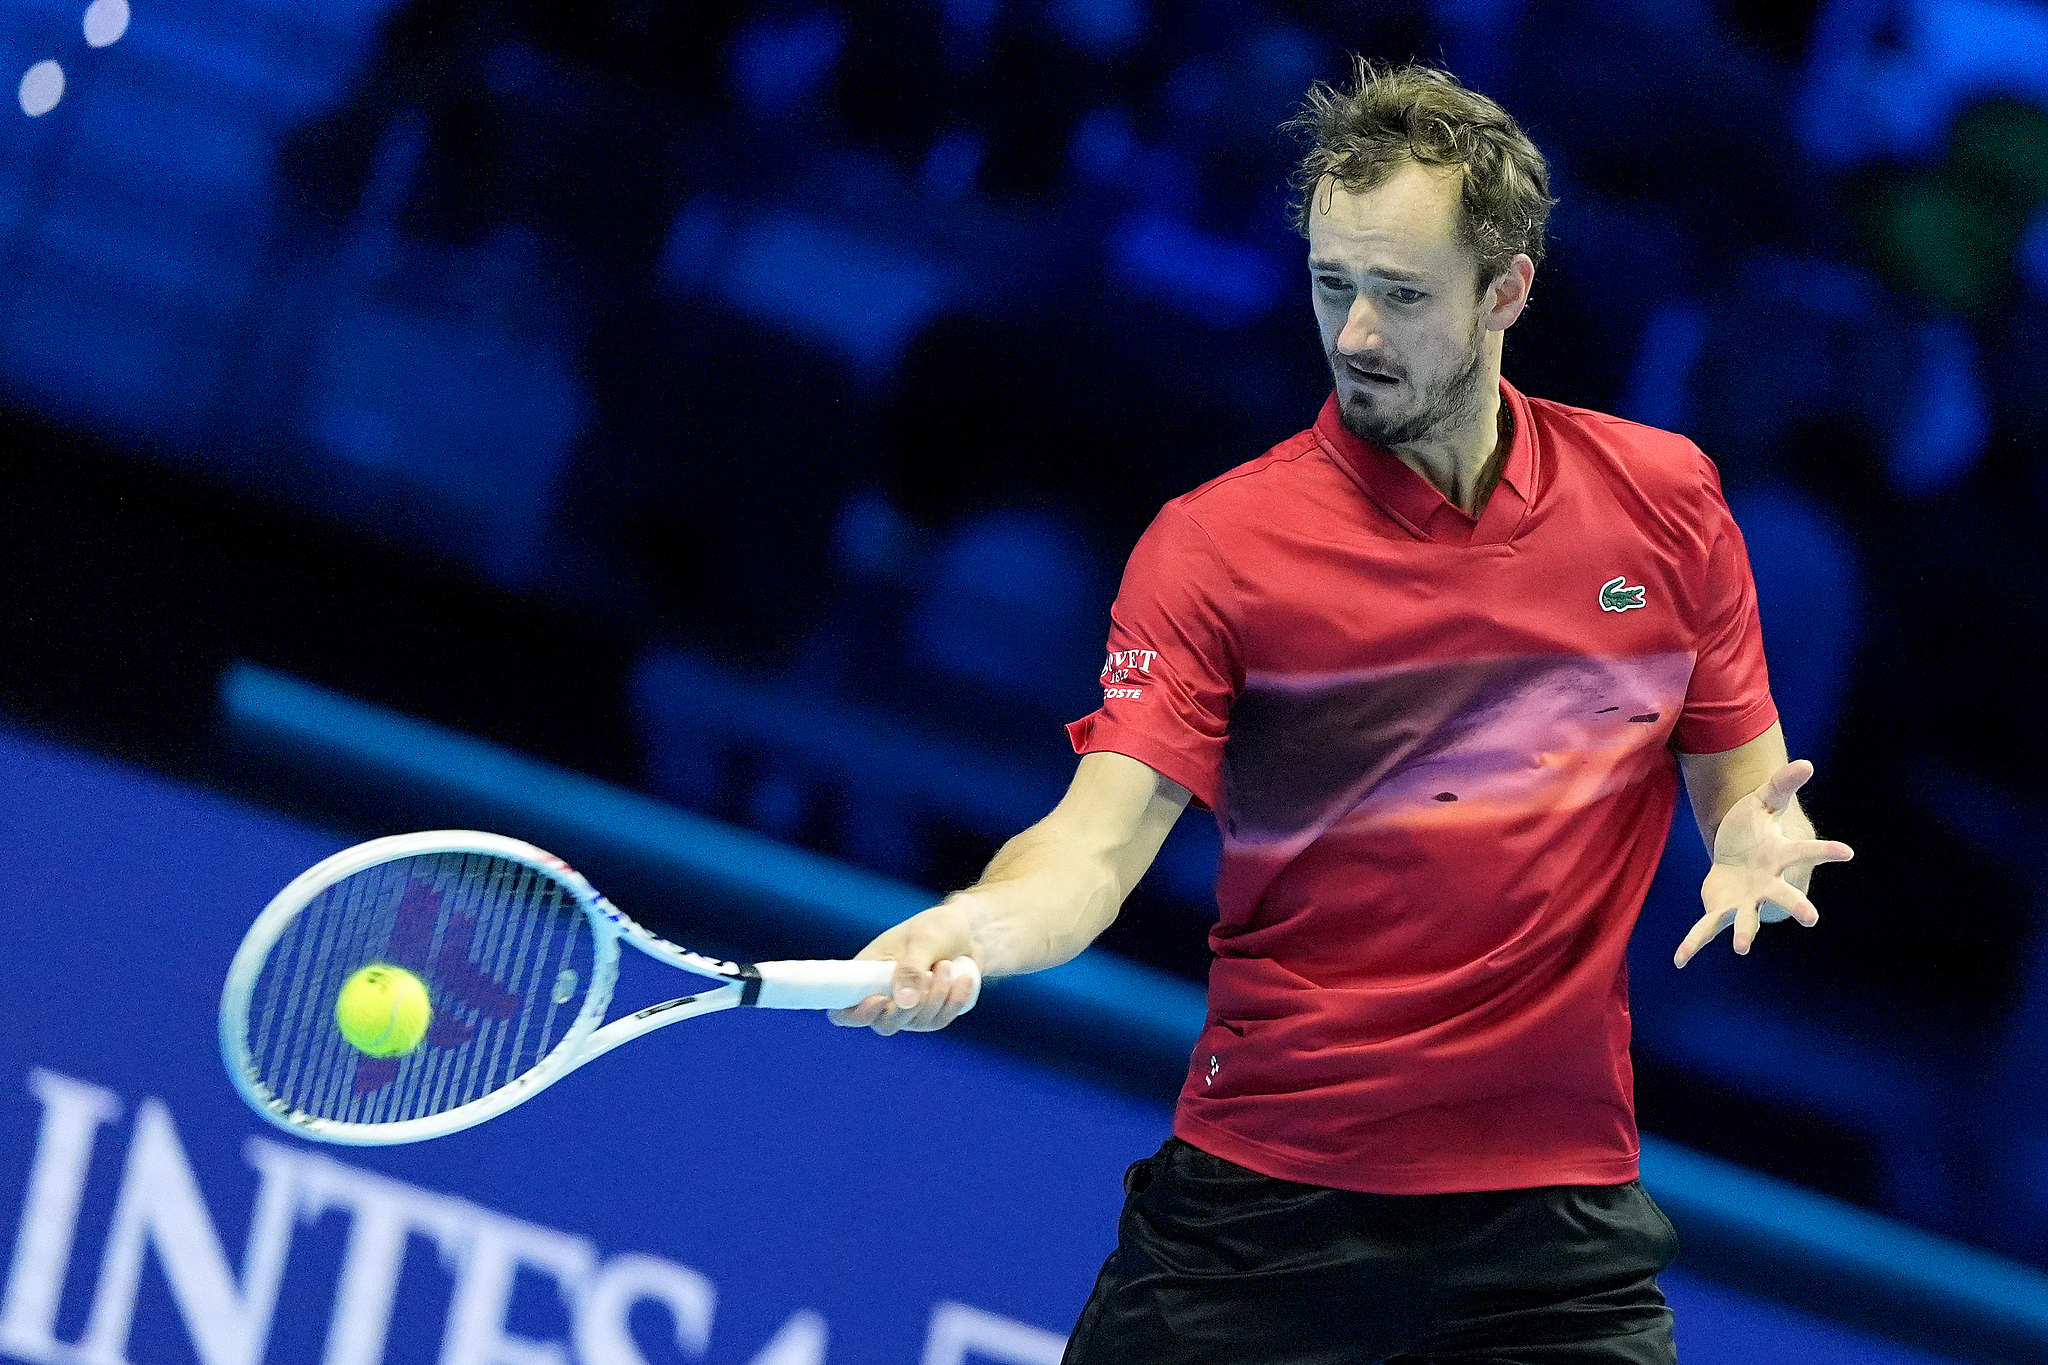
(1044, 898)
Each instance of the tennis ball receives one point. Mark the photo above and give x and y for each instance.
(383, 1010)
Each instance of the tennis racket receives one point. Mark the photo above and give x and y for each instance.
(519, 955)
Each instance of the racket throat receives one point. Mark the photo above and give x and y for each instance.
(657, 1016)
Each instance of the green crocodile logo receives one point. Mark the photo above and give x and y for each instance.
(1614, 596)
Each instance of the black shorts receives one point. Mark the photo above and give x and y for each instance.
(1218, 1265)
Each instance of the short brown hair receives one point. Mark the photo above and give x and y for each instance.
(1391, 115)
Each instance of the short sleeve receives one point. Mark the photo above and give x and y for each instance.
(1171, 671)
(1728, 702)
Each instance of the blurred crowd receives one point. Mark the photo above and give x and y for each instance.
(856, 294)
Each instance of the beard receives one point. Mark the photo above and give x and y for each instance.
(1452, 401)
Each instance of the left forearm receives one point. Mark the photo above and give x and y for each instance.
(1715, 782)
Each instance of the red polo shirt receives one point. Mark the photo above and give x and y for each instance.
(1440, 750)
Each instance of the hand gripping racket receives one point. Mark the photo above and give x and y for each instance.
(519, 955)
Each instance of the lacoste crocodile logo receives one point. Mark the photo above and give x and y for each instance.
(1615, 596)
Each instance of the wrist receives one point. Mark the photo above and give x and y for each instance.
(976, 928)
(1013, 927)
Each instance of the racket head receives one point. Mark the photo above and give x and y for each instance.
(518, 952)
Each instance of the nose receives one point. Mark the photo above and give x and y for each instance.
(1360, 333)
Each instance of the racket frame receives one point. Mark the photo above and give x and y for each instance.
(847, 983)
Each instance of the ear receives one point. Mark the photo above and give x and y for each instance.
(1508, 295)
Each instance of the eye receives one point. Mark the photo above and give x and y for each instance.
(1336, 284)
(1406, 295)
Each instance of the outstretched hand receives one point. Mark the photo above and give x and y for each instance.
(1756, 859)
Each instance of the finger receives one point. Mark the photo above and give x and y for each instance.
(971, 983)
(966, 988)
(889, 1020)
(1793, 902)
(914, 962)
(955, 985)
(1704, 932)
(952, 1000)
(924, 1018)
(913, 979)
(1818, 851)
(861, 1015)
(961, 992)
(1777, 792)
(1748, 922)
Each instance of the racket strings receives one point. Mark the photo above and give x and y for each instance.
(505, 951)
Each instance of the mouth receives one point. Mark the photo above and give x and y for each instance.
(1370, 377)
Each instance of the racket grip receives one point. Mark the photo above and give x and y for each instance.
(825, 985)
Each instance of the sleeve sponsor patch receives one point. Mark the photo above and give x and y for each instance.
(1125, 671)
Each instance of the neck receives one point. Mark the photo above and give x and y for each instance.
(1465, 464)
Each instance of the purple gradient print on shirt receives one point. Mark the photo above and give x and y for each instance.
(1439, 743)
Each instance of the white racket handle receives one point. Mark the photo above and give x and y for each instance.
(838, 985)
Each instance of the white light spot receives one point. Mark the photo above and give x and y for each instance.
(41, 87)
(105, 22)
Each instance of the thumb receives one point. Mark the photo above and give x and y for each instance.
(1776, 793)
(914, 962)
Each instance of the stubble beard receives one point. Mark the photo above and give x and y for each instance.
(1455, 400)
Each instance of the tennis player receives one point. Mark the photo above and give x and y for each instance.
(1437, 664)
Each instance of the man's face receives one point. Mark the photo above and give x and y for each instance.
(1397, 300)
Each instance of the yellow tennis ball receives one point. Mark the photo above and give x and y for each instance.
(383, 1010)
